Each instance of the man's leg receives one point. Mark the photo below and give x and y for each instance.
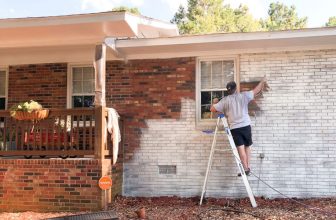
(248, 156)
(243, 156)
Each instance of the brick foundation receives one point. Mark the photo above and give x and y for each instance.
(50, 185)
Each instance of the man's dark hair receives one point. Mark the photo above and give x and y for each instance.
(231, 87)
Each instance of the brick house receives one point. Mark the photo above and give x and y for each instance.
(162, 85)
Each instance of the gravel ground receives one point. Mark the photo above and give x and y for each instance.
(187, 208)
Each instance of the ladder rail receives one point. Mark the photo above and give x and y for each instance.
(236, 156)
(239, 163)
(212, 151)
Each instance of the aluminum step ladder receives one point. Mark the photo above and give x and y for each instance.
(222, 118)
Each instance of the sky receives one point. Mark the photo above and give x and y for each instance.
(317, 11)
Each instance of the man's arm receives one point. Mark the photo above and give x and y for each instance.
(215, 101)
(260, 87)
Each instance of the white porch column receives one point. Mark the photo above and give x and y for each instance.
(100, 75)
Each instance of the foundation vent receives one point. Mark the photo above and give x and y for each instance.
(167, 169)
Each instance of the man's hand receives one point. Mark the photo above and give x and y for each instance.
(260, 87)
(265, 85)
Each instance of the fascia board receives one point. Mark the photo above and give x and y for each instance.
(227, 37)
(62, 20)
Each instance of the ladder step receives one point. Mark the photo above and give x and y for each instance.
(222, 150)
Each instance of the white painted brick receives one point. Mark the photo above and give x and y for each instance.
(295, 130)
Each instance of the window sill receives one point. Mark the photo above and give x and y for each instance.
(206, 125)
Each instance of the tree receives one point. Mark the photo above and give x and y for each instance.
(208, 16)
(180, 17)
(128, 9)
(244, 21)
(331, 22)
(282, 17)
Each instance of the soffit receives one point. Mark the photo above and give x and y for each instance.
(79, 29)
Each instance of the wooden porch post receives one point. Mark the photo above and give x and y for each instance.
(100, 122)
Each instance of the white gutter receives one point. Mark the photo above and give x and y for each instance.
(111, 43)
(226, 37)
(145, 27)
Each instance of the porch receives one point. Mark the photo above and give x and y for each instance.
(54, 164)
(78, 132)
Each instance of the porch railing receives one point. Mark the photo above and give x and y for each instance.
(65, 133)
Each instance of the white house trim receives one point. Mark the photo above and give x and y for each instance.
(161, 54)
(6, 70)
(228, 37)
(209, 122)
(69, 80)
(230, 43)
(79, 29)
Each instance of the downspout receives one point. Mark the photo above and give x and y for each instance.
(100, 74)
(100, 69)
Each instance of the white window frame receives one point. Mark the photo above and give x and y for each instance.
(69, 80)
(6, 85)
(199, 120)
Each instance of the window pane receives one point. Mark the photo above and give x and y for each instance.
(205, 98)
(77, 101)
(88, 73)
(88, 87)
(205, 75)
(77, 87)
(217, 94)
(82, 101)
(217, 75)
(214, 76)
(2, 83)
(228, 70)
(77, 74)
(205, 113)
(88, 101)
(2, 103)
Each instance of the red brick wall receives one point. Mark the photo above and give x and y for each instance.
(45, 83)
(49, 185)
(148, 89)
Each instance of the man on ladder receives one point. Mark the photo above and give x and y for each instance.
(235, 108)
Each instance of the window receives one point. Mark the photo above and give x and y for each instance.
(83, 85)
(213, 77)
(3, 89)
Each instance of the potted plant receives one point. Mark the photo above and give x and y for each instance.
(30, 110)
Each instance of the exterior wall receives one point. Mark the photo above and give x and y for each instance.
(156, 98)
(45, 83)
(294, 128)
(49, 185)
